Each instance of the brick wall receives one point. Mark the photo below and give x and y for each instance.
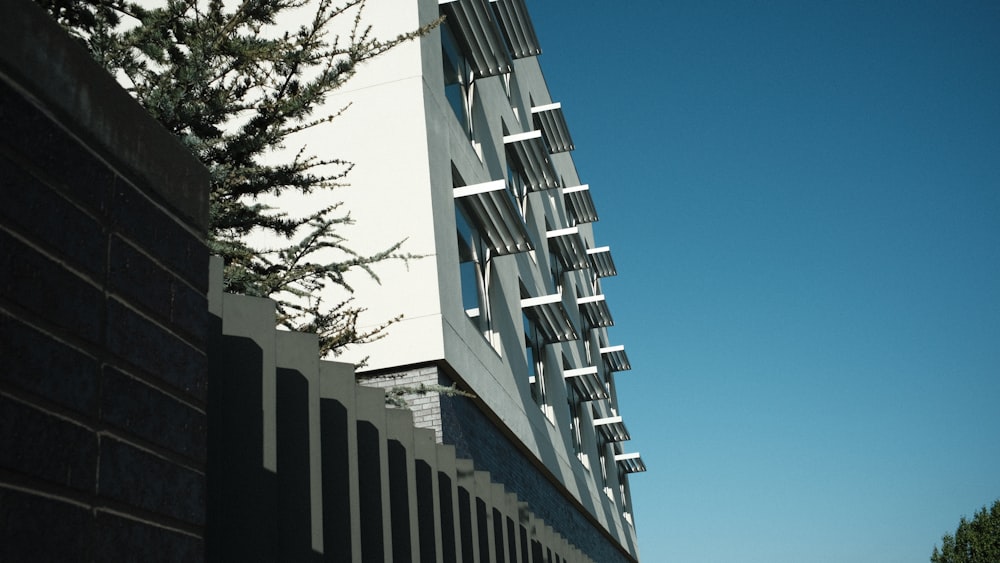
(459, 422)
(103, 317)
(426, 407)
(476, 437)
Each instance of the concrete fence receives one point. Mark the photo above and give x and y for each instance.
(306, 465)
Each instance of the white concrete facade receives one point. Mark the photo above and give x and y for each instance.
(501, 162)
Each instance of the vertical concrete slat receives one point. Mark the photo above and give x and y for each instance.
(297, 357)
(428, 495)
(484, 495)
(242, 442)
(540, 534)
(512, 528)
(341, 500)
(524, 518)
(563, 547)
(498, 502)
(450, 525)
(549, 540)
(402, 485)
(467, 515)
(254, 318)
(373, 475)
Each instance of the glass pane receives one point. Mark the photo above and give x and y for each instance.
(470, 285)
(454, 75)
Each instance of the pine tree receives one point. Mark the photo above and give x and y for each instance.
(977, 541)
(235, 86)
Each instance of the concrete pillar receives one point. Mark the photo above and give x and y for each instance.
(512, 528)
(502, 512)
(484, 511)
(428, 495)
(469, 516)
(525, 523)
(373, 476)
(449, 523)
(402, 486)
(242, 432)
(300, 500)
(341, 501)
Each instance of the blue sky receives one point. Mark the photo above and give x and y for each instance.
(803, 201)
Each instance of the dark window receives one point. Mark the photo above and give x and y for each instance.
(457, 76)
(473, 262)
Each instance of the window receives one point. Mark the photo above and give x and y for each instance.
(518, 188)
(533, 354)
(473, 264)
(457, 78)
(555, 264)
(604, 470)
(575, 429)
(513, 94)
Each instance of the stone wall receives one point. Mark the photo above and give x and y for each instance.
(103, 275)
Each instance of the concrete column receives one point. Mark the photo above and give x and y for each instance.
(450, 524)
(468, 515)
(253, 318)
(428, 495)
(484, 506)
(544, 534)
(300, 500)
(402, 486)
(341, 501)
(512, 528)
(243, 505)
(525, 523)
(373, 476)
(500, 514)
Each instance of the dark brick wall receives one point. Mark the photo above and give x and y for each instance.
(476, 437)
(103, 319)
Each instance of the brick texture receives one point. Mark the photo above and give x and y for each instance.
(103, 329)
(426, 407)
(459, 422)
(476, 437)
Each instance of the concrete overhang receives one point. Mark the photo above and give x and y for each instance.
(512, 15)
(580, 204)
(550, 120)
(612, 428)
(586, 382)
(473, 26)
(493, 209)
(528, 152)
(630, 463)
(551, 317)
(568, 246)
(595, 311)
(600, 260)
(615, 358)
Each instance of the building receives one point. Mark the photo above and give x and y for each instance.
(460, 149)
(147, 416)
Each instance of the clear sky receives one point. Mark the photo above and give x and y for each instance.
(803, 201)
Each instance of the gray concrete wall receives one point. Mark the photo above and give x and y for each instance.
(407, 141)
